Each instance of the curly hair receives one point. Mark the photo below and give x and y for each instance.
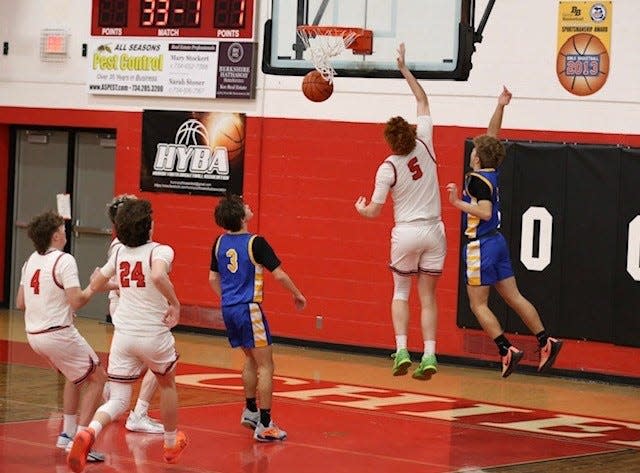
(114, 205)
(133, 222)
(41, 230)
(229, 213)
(400, 135)
(489, 150)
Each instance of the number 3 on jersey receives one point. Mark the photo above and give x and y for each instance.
(233, 260)
(127, 274)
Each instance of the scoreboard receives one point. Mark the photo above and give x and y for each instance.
(223, 19)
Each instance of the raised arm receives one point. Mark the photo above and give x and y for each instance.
(419, 93)
(496, 119)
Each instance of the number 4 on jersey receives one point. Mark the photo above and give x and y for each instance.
(35, 282)
(127, 274)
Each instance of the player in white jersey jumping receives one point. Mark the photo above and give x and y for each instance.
(418, 242)
(138, 419)
(147, 310)
(49, 293)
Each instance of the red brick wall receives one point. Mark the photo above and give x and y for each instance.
(302, 178)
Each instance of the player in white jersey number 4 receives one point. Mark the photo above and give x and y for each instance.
(418, 243)
(49, 293)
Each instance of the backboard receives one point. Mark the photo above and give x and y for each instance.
(438, 34)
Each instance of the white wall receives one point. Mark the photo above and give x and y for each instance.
(519, 50)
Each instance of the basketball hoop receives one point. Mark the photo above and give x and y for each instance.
(326, 42)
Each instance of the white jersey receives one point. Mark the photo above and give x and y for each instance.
(142, 306)
(113, 295)
(412, 179)
(44, 279)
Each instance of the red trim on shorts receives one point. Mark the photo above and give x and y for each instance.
(431, 272)
(53, 271)
(50, 329)
(402, 273)
(92, 367)
(169, 368)
(124, 379)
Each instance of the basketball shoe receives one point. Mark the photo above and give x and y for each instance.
(548, 353)
(144, 424)
(427, 368)
(171, 454)
(401, 362)
(250, 419)
(271, 433)
(80, 449)
(511, 360)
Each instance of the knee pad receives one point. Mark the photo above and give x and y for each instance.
(401, 287)
(119, 398)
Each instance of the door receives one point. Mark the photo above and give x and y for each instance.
(81, 163)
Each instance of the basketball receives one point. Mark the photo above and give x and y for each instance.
(582, 64)
(227, 130)
(316, 88)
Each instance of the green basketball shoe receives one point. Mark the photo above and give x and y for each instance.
(428, 367)
(401, 362)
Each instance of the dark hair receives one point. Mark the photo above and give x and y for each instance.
(489, 150)
(114, 205)
(400, 135)
(133, 222)
(229, 213)
(41, 230)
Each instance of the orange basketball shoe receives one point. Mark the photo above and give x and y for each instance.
(511, 360)
(171, 454)
(82, 443)
(548, 353)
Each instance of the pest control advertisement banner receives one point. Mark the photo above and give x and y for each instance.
(584, 46)
(171, 68)
(198, 153)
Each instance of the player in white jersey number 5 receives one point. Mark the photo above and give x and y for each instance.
(50, 292)
(142, 338)
(418, 243)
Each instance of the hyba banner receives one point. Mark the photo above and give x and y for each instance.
(192, 152)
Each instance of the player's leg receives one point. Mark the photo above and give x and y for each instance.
(266, 429)
(250, 415)
(478, 301)
(549, 346)
(70, 401)
(428, 322)
(404, 264)
(139, 420)
(434, 250)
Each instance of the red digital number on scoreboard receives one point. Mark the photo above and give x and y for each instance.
(174, 18)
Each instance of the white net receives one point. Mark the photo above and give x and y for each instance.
(322, 45)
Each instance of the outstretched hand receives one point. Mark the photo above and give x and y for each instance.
(505, 97)
(453, 192)
(400, 58)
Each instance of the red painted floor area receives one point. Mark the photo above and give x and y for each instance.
(333, 427)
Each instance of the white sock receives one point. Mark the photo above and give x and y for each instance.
(96, 426)
(142, 408)
(170, 438)
(401, 342)
(429, 347)
(69, 425)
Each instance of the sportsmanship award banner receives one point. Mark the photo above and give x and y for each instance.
(192, 152)
(584, 45)
(171, 68)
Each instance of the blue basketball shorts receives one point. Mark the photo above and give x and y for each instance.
(487, 261)
(246, 326)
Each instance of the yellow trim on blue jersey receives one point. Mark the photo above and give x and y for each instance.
(250, 250)
(473, 264)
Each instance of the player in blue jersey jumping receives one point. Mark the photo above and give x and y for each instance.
(486, 254)
(236, 275)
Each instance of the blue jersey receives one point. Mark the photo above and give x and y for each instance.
(241, 277)
(475, 227)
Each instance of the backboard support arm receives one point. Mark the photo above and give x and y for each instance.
(477, 35)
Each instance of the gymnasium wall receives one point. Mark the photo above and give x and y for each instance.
(307, 163)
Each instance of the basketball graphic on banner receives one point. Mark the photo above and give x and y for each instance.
(582, 64)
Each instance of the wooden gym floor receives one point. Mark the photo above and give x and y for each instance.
(343, 412)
